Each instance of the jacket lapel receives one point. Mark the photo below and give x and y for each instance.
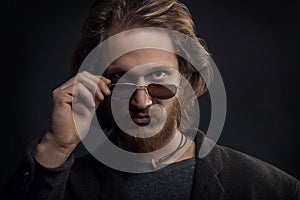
(206, 181)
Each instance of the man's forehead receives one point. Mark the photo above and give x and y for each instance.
(142, 69)
(139, 39)
(140, 46)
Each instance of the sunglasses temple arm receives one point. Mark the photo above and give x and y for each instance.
(147, 92)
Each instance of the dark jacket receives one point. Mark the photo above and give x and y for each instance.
(223, 174)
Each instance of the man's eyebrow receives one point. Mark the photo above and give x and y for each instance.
(161, 66)
(151, 67)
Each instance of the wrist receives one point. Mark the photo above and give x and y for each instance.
(51, 154)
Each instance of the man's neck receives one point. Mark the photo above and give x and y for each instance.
(176, 147)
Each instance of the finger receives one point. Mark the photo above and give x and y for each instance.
(81, 109)
(62, 96)
(76, 96)
(91, 76)
(102, 82)
(104, 87)
(87, 82)
(96, 78)
(107, 81)
(68, 83)
(66, 90)
(99, 95)
(80, 78)
(85, 96)
(81, 99)
(95, 84)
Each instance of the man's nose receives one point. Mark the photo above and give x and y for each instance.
(140, 99)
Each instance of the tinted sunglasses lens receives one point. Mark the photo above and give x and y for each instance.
(162, 91)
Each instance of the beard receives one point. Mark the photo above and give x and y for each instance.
(138, 144)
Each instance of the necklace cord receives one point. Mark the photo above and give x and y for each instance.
(180, 146)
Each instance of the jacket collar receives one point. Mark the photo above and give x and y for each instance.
(206, 181)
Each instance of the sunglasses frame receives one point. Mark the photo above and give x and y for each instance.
(145, 88)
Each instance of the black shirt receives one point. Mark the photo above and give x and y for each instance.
(174, 181)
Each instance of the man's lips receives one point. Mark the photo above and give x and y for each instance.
(141, 119)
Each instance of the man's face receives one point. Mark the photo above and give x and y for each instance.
(154, 119)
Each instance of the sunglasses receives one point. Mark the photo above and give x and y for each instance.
(124, 91)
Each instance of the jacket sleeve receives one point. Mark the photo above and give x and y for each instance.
(297, 190)
(33, 181)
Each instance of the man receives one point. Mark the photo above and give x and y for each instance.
(144, 100)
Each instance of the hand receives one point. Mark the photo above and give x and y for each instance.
(77, 99)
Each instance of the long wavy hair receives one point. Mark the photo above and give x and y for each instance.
(127, 14)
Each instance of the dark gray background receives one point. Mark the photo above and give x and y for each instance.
(255, 45)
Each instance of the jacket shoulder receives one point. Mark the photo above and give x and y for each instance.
(244, 173)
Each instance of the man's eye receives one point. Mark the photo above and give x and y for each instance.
(159, 74)
(117, 75)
